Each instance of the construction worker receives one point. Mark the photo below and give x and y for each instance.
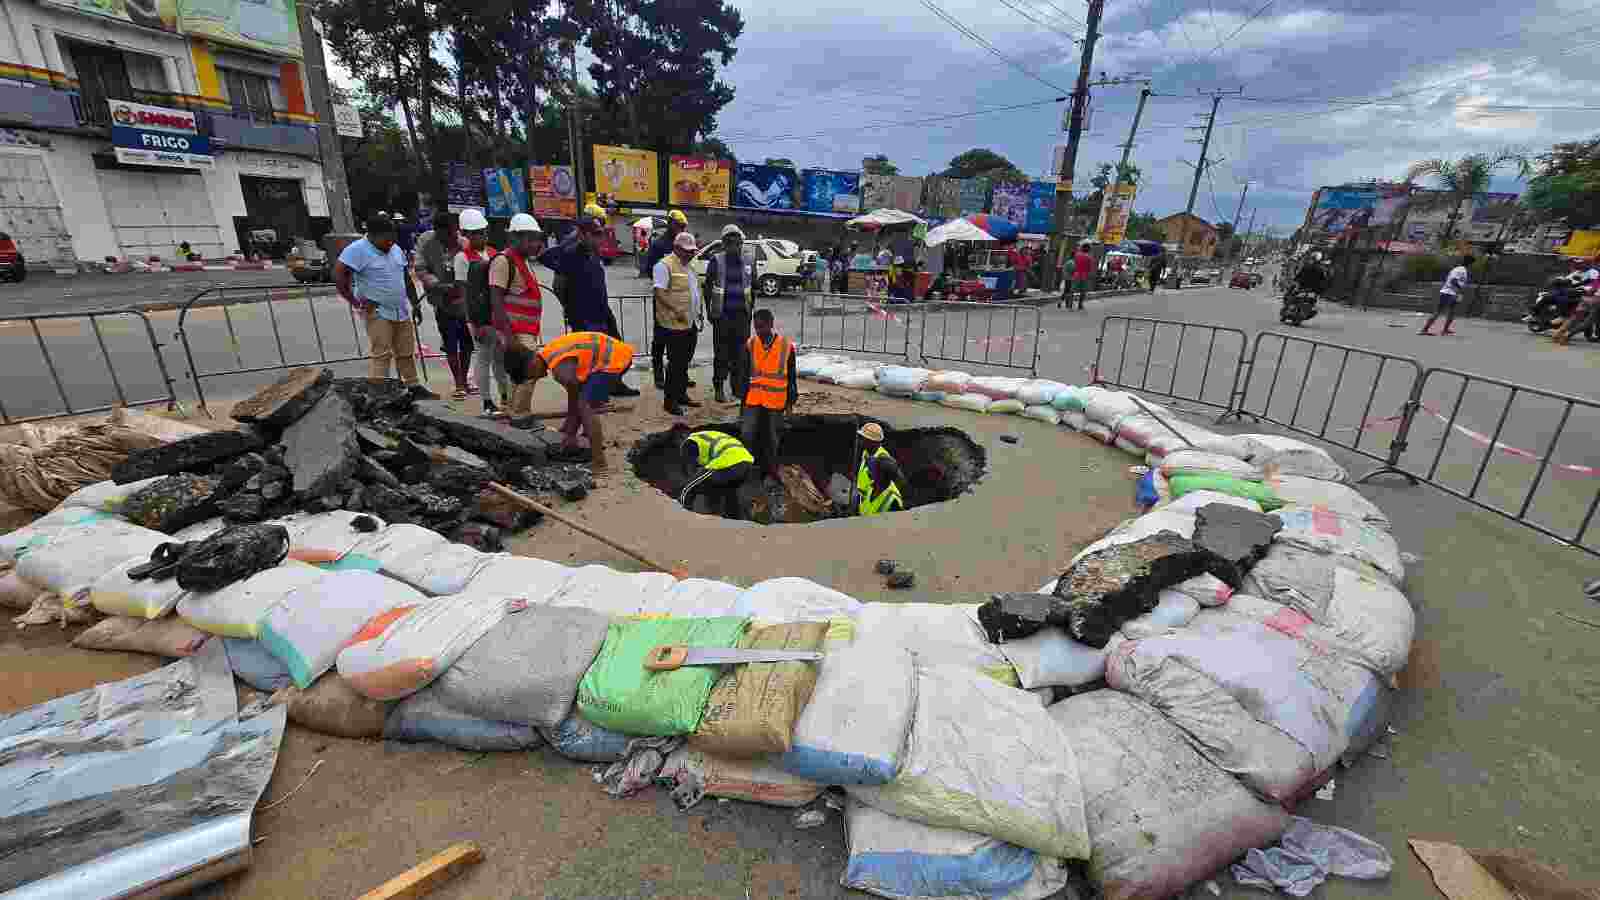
(589, 364)
(878, 478)
(721, 464)
(770, 392)
(659, 249)
(730, 285)
(517, 304)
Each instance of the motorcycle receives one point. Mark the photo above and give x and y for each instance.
(1299, 305)
(1549, 307)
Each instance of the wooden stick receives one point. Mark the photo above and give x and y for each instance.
(421, 879)
(579, 527)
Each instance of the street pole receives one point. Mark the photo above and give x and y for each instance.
(1194, 188)
(575, 131)
(1138, 113)
(1080, 101)
(336, 189)
(1236, 215)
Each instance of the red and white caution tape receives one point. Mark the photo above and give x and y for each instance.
(1507, 449)
(879, 312)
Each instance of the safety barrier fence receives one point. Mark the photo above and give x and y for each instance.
(63, 346)
(1529, 466)
(854, 323)
(996, 335)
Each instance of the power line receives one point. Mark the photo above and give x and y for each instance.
(1242, 26)
(1024, 13)
(978, 39)
(1064, 14)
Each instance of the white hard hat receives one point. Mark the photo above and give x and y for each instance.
(732, 229)
(473, 220)
(524, 222)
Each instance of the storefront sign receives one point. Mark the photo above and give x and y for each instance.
(625, 175)
(828, 191)
(695, 181)
(146, 13)
(505, 191)
(157, 136)
(1115, 206)
(1041, 207)
(465, 188)
(941, 197)
(347, 120)
(765, 187)
(554, 190)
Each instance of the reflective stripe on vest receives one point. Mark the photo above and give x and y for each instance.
(525, 310)
(719, 287)
(864, 476)
(888, 501)
(593, 351)
(715, 450)
(769, 375)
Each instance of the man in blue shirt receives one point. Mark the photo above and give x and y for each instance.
(587, 306)
(371, 275)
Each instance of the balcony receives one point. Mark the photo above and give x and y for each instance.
(35, 106)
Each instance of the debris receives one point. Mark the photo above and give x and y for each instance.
(372, 470)
(1578, 620)
(1326, 791)
(240, 470)
(639, 765)
(232, 554)
(284, 401)
(886, 566)
(901, 580)
(374, 398)
(804, 819)
(321, 448)
(1237, 538)
(1110, 586)
(1013, 616)
(1307, 854)
(1410, 558)
(480, 536)
(1009, 438)
(421, 879)
(245, 507)
(373, 439)
(188, 455)
(292, 791)
(517, 498)
(483, 436)
(174, 502)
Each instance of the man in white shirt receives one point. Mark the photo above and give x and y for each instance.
(680, 312)
(1450, 295)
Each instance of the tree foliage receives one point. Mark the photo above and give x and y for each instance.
(1567, 185)
(981, 162)
(782, 162)
(1142, 227)
(879, 165)
(1466, 176)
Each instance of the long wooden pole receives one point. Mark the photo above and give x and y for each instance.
(579, 527)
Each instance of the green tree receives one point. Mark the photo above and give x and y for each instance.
(879, 165)
(1461, 178)
(1567, 185)
(713, 148)
(783, 162)
(981, 162)
(1142, 227)
(1126, 174)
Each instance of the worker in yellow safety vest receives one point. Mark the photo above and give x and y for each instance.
(878, 478)
(770, 392)
(720, 463)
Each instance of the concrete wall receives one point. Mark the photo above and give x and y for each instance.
(1506, 303)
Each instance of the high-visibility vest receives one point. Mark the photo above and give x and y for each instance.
(715, 450)
(864, 484)
(675, 310)
(719, 286)
(594, 352)
(888, 500)
(769, 373)
(524, 311)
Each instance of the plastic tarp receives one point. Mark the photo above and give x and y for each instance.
(854, 728)
(133, 784)
(905, 860)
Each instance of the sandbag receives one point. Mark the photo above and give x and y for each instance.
(854, 728)
(1193, 500)
(1144, 430)
(791, 599)
(115, 594)
(619, 693)
(1328, 532)
(577, 738)
(1174, 609)
(609, 591)
(1127, 446)
(754, 780)
(1109, 407)
(1010, 406)
(1050, 658)
(422, 558)
(1206, 590)
(1138, 528)
(1274, 710)
(905, 860)
(996, 388)
(936, 633)
(1076, 421)
(1288, 456)
(401, 651)
(1225, 484)
(332, 706)
(537, 579)
(806, 365)
(424, 716)
(1069, 400)
(1298, 491)
(1046, 414)
(1197, 462)
(1099, 432)
(697, 597)
(76, 558)
(831, 373)
(1160, 816)
(199, 531)
(929, 396)
(752, 708)
(526, 668)
(308, 629)
(948, 382)
(973, 402)
(901, 381)
(45, 529)
(164, 637)
(237, 610)
(1364, 615)
(859, 378)
(986, 758)
(253, 665)
(326, 537)
(1040, 392)
(16, 593)
(1227, 445)
(105, 496)
(231, 555)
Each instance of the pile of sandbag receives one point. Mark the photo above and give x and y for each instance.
(51, 463)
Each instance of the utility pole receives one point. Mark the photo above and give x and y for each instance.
(336, 189)
(1236, 215)
(574, 131)
(1200, 169)
(1138, 113)
(1080, 101)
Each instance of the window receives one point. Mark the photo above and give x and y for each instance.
(761, 253)
(102, 75)
(252, 95)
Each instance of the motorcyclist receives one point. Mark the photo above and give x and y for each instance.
(1312, 277)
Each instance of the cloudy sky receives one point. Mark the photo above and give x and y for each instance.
(1334, 90)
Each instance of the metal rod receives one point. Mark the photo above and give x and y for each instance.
(51, 365)
(1205, 373)
(1449, 426)
(111, 369)
(1122, 358)
(1544, 461)
(1162, 422)
(1583, 528)
(1283, 348)
(1333, 400)
(1149, 353)
(1177, 360)
(233, 337)
(1377, 379)
(316, 327)
(1311, 359)
(1488, 452)
(161, 362)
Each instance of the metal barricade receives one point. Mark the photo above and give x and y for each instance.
(27, 398)
(295, 323)
(1209, 375)
(854, 323)
(1300, 364)
(635, 315)
(1001, 335)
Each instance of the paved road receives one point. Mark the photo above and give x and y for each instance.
(43, 293)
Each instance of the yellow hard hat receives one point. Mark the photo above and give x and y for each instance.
(678, 216)
(596, 211)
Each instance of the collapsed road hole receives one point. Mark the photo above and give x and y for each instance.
(939, 464)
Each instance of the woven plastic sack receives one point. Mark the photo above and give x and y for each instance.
(1011, 406)
(1291, 457)
(752, 708)
(1328, 532)
(897, 858)
(854, 728)
(422, 558)
(929, 396)
(1362, 613)
(527, 668)
(858, 378)
(1225, 484)
(45, 529)
(577, 738)
(1110, 407)
(1099, 432)
(614, 593)
(115, 594)
(1040, 392)
(1174, 609)
(936, 633)
(695, 597)
(1193, 500)
(948, 382)
(253, 665)
(401, 651)
(619, 693)
(807, 365)
(1051, 658)
(790, 599)
(1143, 429)
(1207, 590)
(424, 716)
(974, 402)
(1076, 421)
(332, 706)
(1160, 816)
(901, 381)
(996, 388)
(1127, 446)
(986, 758)
(16, 593)
(326, 537)
(166, 637)
(1069, 400)
(307, 631)
(754, 780)
(1045, 414)
(830, 374)
(1196, 462)
(75, 558)
(1360, 626)
(1227, 445)
(237, 610)
(105, 496)
(1315, 493)
(537, 579)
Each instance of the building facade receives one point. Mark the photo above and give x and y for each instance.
(131, 127)
(1199, 237)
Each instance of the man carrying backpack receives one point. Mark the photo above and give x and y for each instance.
(472, 271)
(518, 304)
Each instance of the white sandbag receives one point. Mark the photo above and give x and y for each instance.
(791, 599)
(1357, 611)
(974, 402)
(901, 381)
(904, 860)
(614, 593)
(858, 378)
(1040, 392)
(399, 545)
(1070, 399)
(15, 593)
(1143, 429)
(307, 630)
(1174, 609)
(928, 396)
(1076, 421)
(1011, 407)
(537, 579)
(1193, 500)
(1270, 708)
(1198, 462)
(115, 594)
(1160, 816)
(807, 365)
(397, 654)
(986, 758)
(199, 531)
(237, 610)
(1050, 657)
(996, 388)
(526, 669)
(325, 537)
(1141, 527)
(105, 496)
(1363, 625)
(695, 598)
(948, 382)
(1207, 590)
(424, 716)
(936, 633)
(754, 780)
(1127, 446)
(1329, 532)
(1227, 445)
(1044, 413)
(830, 374)
(1109, 407)
(1288, 456)
(1342, 499)
(41, 531)
(1097, 431)
(853, 729)
(76, 558)
(422, 558)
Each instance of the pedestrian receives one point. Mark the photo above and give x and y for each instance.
(517, 304)
(589, 365)
(1158, 267)
(769, 394)
(878, 477)
(730, 278)
(586, 306)
(434, 266)
(371, 275)
(472, 270)
(660, 249)
(720, 464)
(680, 314)
(1082, 271)
(1450, 295)
(1017, 256)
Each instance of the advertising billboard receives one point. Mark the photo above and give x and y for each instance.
(765, 187)
(941, 197)
(1340, 208)
(505, 191)
(626, 175)
(829, 191)
(258, 24)
(147, 13)
(696, 181)
(1115, 205)
(1010, 202)
(464, 188)
(1391, 205)
(554, 190)
(157, 136)
(974, 196)
(1041, 207)
(890, 192)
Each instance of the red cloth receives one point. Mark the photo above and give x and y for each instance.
(1082, 265)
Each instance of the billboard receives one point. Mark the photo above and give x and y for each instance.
(157, 136)
(505, 191)
(1340, 208)
(1041, 207)
(890, 192)
(1115, 206)
(1392, 203)
(554, 190)
(765, 187)
(696, 181)
(626, 175)
(464, 189)
(147, 13)
(1493, 207)
(258, 24)
(973, 196)
(1010, 202)
(941, 197)
(828, 191)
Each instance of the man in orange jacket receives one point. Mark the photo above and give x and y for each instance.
(589, 364)
(768, 392)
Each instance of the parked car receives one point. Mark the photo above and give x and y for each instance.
(1241, 279)
(12, 266)
(779, 264)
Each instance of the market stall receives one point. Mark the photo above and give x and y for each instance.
(951, 247)
(994, 267)
(892, 230)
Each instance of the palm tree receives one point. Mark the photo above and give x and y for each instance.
(1466, 176)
